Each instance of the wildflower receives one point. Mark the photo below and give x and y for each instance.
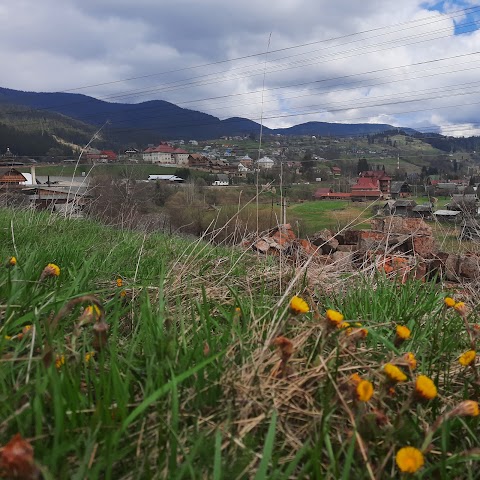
(394, 373)
(119, 282)
(467, 358)
(425, 388)
(7, 337)
(355, 378)
(51, 270)
(89, 356)
(298, 305)
(409, 357)
(344, 325)
(123, 293)
(16, 459)
(449, 302)
(26, 328)
(59, 361)
(11, 262)
(403, 333)
(334, 317)
(467, 408)
(409, 459)
(364, 391)
(460, 308)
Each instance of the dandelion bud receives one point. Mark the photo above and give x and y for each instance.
(59, 361)
(364, 391)
(119, 282)
(467, 408)
(11, 262)
(285, 347)
(461, 308)
(409, 357)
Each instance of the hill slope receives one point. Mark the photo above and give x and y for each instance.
(148, 122)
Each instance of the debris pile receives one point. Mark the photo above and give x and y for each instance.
(398, 246)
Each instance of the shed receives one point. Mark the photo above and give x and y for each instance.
(400, 189)
(447, 215)
(11, 176)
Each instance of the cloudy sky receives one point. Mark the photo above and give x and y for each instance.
(410, 63)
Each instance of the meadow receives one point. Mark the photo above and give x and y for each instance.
(127, 355)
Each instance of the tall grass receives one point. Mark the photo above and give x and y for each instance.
(185, 387)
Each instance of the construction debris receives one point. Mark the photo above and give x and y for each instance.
(399, 246)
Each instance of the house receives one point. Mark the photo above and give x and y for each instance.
(246, 161)
(365, 189)
(424, 211)
(161, 154)
(193, 142)
(198, 160)
(11, 176)
(380, 178)
(59, 193)
(403, 208)
(242, 168)
(336, 171)
(447, 215)
(400, 189)
(445, 189)
(265, 163)
(180, 156)
(325, 193)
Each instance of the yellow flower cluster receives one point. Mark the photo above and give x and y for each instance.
(403, 332)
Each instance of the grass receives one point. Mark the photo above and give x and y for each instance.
(188, 383)
(332, 214)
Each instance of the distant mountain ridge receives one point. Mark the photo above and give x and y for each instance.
(151, 121)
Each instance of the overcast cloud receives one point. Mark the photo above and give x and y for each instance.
(420, 70)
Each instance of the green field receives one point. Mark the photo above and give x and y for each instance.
(205, 373)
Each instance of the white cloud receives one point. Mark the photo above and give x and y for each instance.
(54, 46)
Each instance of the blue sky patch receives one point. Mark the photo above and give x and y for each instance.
(463, 23)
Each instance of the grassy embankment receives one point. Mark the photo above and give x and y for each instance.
(188, 384)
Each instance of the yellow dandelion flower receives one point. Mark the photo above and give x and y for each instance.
(467, 408)
(364, 391)
(123, 293)
(334, 317)
(449, 302)
(467, 358)
(51, 270)
(425, 388)
(7, 337)
(89, 356)
(394, 373)
(119, 282)
(11, 262)
(409, 459)
(344, 325)
(59, 361)
(298, 305)
(355, 378)
(411, 360)
(403, 332)
(27, 328)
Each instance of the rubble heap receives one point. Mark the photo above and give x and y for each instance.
(396, 245)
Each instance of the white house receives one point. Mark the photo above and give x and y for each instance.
(181, 156)
(162, 153)
(265, 163)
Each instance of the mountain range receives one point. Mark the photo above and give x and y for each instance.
(155, 120)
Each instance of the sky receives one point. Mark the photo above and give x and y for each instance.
(410, 63)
